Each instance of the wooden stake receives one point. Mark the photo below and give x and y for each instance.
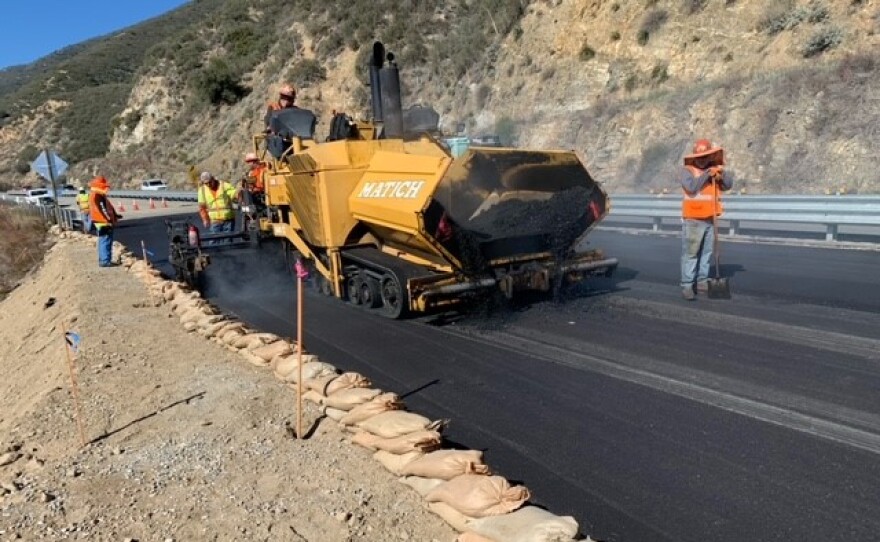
(299, 354)
(72, 369)
(147, 266)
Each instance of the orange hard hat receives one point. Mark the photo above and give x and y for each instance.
(287, 91)
(100, 183)
(251, 157)
(703, 148)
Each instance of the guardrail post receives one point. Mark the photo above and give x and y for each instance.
(656, 223)
(831, 232)
(734, 226)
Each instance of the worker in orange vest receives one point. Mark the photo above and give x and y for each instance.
(254, 177)
(104, 217)
(702, 179)
(286, 99)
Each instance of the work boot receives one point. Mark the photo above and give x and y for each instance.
(688, 293)
(702, 288)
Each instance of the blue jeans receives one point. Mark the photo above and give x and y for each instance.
(697, 238)
(221, 227)
(105, 245)
(86, 221)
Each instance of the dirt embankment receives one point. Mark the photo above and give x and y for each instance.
(21, 245)
(186, 442)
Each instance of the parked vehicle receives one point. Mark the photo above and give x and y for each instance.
(39, 196)
(154, 184)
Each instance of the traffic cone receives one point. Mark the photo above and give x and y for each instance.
(121, 207)
(135, 205)
(152, 204)
(164, 203)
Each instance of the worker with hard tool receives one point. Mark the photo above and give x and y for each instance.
(702, 179)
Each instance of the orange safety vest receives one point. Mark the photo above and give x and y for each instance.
(97, 216)
(256, 176)
(219, 203)
(703, 203)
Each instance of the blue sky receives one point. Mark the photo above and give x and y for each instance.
(30, 31)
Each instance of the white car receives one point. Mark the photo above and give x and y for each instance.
(39, 196)
(154, 184)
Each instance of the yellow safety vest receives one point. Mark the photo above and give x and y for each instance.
(219, 203)
(83, 201)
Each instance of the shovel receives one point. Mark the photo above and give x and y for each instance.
(719, 288)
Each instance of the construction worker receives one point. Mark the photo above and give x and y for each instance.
(82, 201)
(254, 176)
(702, 179)
(104, 217)
(286, 99)
(216, 203)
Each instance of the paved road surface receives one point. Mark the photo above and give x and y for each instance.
(645, 417)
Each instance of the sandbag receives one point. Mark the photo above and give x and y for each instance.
(334, 413)
(345, 381)
(269, 351)
(395, 462)
(394, 423)
(284, 365)
(423, 486)
(479, 496)
(249, 341)
(377, 405)
(207, 320)
(450, 515)
(319, 384)
(310, 371)
(230, 337)
(420, 441)
(350, 398)
(447, 464)
(528, 524)
(253, 359)
(192, 315)
(219, 328)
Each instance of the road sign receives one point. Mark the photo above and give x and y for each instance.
(49, 165)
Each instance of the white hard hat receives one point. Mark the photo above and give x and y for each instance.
(205, 177)
(251, 157)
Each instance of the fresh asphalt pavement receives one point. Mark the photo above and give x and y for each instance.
(644, 416)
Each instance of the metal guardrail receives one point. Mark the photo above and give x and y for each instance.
(831, 212)
(70, 218)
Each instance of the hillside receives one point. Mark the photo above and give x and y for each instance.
(788, 87)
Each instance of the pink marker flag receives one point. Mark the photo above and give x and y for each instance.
(301, 271)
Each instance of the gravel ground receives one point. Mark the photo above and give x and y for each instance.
(185, 441)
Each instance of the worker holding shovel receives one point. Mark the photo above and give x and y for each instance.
(703, 178)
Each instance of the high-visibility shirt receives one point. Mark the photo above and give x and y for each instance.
(101, 210)
(219, 203)
(256, 178)
(703, 203)
(82, 200)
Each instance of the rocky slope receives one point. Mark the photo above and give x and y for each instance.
(788, 87)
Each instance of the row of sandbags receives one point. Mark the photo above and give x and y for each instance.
(456, 484)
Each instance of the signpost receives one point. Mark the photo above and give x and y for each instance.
(50, 166)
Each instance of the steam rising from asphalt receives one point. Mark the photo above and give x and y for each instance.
(251, 276)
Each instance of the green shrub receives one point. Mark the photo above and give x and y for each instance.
(306, 72)
(587, 53)
(615, 36)
(694, 6)
(822, 40)
(218, 83)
